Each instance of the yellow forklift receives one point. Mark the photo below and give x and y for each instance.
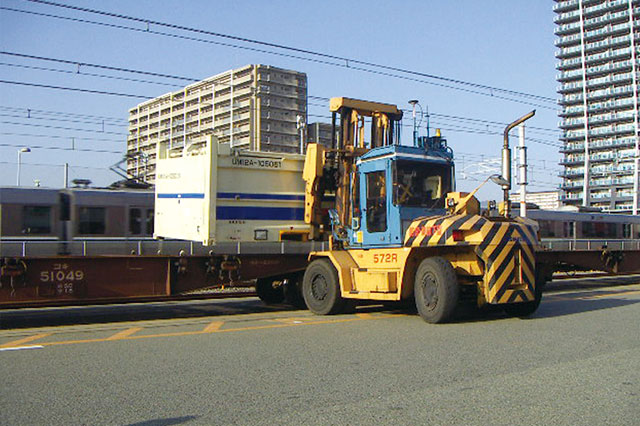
(397, 229)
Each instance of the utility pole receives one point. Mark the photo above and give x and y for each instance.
(301, 126)
(523, 172)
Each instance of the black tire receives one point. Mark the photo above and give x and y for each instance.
(293, 291)
(321, 288)
(270, 291)
(436, 290)
(526, 309)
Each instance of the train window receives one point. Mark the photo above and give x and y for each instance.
(36, 220)
(135, 221)
(569, 229)
(599, 230)
(547, 229)
(150, 222)
(92, 220)
(626, 230)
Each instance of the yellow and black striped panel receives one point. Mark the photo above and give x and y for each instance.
(507, 250)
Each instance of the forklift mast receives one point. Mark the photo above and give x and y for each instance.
(331, 171)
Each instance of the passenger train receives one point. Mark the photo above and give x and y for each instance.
(42, 214)
(567, 225)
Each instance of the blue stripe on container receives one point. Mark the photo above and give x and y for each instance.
(259, 213)
(185, 195)
(256, 196)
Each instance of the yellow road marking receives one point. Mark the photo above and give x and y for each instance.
(228, 330)
(561, 297)
(124, 333)
(24, 340)
(213, 326)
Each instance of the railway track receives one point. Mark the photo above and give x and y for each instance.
(202, 295)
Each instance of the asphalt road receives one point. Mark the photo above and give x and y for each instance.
(577, 361)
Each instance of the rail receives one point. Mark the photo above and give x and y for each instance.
(149, 247)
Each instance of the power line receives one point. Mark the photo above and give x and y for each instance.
(54, 165)
(347, 63)
(294, 49)
(104, 67)
(57, 119)
(60, 128)
(77, 139)
(60, 148)
(313, 97)
(97, 92)
(28, 111)
(87, 74)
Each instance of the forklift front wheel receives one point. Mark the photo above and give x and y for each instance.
(321, 288)
(436, 290)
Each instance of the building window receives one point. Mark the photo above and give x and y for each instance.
(36, 220)
(92, 220)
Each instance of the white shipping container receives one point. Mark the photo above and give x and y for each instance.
(215, 194)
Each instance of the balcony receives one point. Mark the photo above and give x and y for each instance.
(569, 148)
(610, 5)
(607, 18)
(565, 5)
(567, 28)
(568, 40)
(571, 111)
(572, 123)
(570, 87)
(579, 159)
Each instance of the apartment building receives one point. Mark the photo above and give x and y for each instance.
(598, 50)
(253, 107)
(319, 133)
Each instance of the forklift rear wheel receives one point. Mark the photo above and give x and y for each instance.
(321, 289)
(269, 290)
(436, 290)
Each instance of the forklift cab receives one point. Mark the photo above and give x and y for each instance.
(394, 186)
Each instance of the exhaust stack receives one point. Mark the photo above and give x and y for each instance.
(506, 160)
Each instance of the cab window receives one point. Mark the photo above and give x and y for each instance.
(421, 185)
(376, 202)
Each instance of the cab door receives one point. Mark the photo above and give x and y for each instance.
(374, 191)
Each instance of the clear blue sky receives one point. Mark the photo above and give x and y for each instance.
(502, 43)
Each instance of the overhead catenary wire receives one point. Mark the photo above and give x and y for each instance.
(55, 165)
(62, 148)
(87, 74)
(347, 63)
(290, 48)
(191, 79)
(77, 138)
(45, 126)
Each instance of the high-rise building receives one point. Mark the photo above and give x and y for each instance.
(253, 107)
(599, 49)
(319, 133)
